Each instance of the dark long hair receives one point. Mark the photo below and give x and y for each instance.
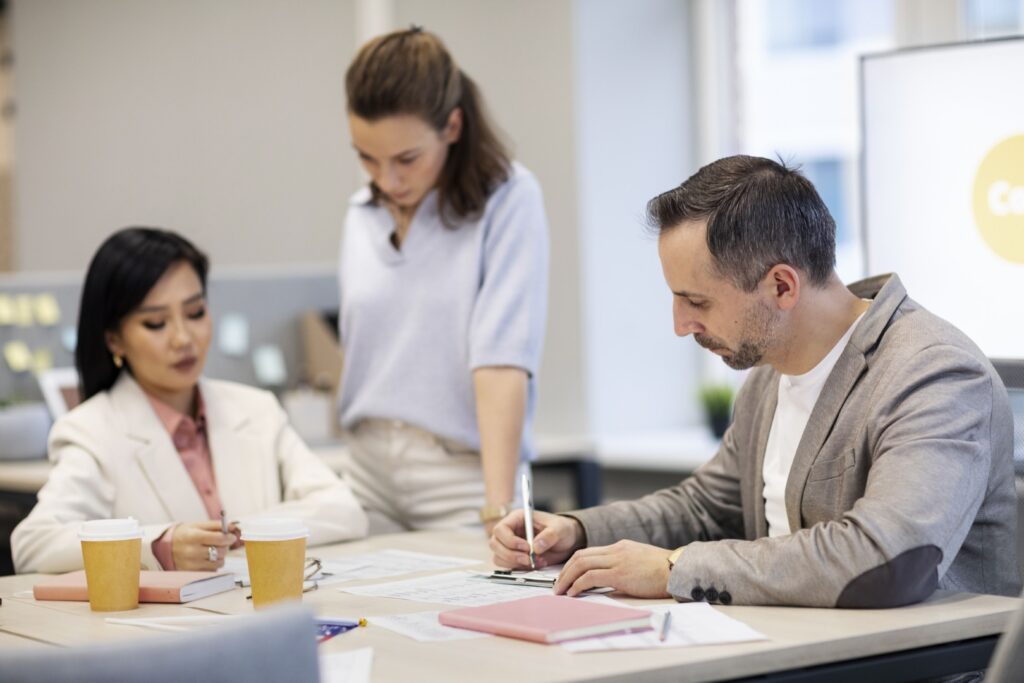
(411, 72)
(120, 275)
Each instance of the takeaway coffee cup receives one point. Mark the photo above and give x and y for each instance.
(112, 553)
(275, 549)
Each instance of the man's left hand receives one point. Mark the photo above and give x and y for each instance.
(632, 568)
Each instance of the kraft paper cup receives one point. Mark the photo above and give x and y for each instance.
(275, 550)
(112, 554)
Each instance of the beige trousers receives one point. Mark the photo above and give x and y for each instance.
(408, 479)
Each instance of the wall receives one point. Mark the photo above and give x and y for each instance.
(521, 56)
(223, 119)
(634, 141)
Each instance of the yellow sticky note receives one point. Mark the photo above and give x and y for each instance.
(23, 310)
(6, 310)
(17, 355)
(47, 309)
(42, 360)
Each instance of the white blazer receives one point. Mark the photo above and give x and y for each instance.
(114, 458)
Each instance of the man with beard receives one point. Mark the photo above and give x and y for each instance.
(869, 460)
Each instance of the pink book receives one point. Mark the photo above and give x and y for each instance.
(153, 586)
(548, 619)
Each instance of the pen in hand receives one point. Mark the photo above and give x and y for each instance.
(528, 517)
(223, 523)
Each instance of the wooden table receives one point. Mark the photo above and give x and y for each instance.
(864, 644)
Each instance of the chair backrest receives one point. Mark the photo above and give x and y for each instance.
(1012, 374)
(278, 645)
(1007, 665)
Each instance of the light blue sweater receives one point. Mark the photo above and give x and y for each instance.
(416, 322)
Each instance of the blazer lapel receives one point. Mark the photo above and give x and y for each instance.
(158, 459)
(236, 453)
(888, 294)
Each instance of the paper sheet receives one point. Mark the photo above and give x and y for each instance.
(379, 565)
(466, 589)
(347, 667)
(424, 627)
(694, 623)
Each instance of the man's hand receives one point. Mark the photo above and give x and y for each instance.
(555, 538)
(191, 545)
(632, 568)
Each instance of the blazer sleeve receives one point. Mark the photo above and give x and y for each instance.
(930, 449)
(312, 492)
(76, 491)
(704, 507)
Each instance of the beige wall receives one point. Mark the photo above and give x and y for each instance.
(224, 120)
(521, 55)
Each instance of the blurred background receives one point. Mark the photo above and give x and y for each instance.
(225, 120)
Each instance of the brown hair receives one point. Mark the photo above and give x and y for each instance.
(411, 72)
(759, 213)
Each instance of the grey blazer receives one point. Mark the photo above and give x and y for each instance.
(902, 482)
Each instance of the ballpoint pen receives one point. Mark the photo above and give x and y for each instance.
(223, 523)
(528, 515)
(665, 623)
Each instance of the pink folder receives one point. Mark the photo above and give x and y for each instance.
(548, 619)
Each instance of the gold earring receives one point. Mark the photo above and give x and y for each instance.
(118, 361)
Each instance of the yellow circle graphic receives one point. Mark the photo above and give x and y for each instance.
(999, 199)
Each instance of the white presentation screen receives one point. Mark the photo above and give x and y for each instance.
(944, 183)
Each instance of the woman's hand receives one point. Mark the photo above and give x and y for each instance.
(191, 545)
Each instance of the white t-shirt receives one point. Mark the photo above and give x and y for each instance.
(797, 396)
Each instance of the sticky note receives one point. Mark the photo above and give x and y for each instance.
(69, 339)
(233, 334)
(18, 356)
(6, 310)
(42, 360)
(47, 309)
(23, 310)
(268, 361)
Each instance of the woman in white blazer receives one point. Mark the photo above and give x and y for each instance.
(155, 441)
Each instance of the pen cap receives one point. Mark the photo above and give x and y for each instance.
(273, 529)
(110, 530)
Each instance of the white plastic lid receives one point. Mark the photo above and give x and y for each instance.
(273, 529)
(110, 530)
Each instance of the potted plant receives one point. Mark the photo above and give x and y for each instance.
(717, 402)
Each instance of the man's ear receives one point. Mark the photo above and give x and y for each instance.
(453, 128)
(783, 284)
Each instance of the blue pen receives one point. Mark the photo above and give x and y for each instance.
(327, 628)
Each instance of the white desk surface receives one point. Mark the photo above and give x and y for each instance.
(799, 637)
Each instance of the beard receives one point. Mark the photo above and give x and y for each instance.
(757, 334)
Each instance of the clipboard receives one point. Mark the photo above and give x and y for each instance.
(534, 578)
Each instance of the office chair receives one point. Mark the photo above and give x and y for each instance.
(1012, 374)
(278, 645)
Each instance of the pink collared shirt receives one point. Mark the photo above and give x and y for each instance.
(190, 439)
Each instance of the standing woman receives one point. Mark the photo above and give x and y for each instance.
(155, 440)
(443, 276)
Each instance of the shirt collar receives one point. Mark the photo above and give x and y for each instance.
(183, 429)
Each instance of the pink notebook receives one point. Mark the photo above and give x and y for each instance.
(153, 586)
(548, 619)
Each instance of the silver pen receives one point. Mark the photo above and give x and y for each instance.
(528, 517)
(223, 523)
(665, 623)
